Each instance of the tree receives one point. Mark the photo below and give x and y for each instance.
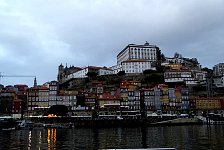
(121, 73)
(153, 79)
(209, 71)
(80, 100)
(148, 71)
(92, 74)
(59, 110)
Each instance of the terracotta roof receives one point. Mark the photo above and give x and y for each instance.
(108, 96)
(39, 88)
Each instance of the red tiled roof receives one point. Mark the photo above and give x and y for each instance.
(108, 96)
(39, 88)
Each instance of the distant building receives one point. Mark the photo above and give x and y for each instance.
(1, 87)
(17, 108)
(138, 52)
(67, 98)
(108, 101)
(137, 58)
(63, 72)
(208, 103)
(37, 100)
(130, 95)
(132, 59)
(218, 81)
(218, 69)
(83, 72)
(53, 92)
(20, 104)
(7, 97)
(182, 70)
(21, 91)
(184, 76)
(185, 62)
(136, 66)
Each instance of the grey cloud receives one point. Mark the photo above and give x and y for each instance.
(39, 35)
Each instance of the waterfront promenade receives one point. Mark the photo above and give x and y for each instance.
(150, 121)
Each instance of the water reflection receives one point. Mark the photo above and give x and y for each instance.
(180, 137)
(29, 140)
(144, 136)
(51, 138)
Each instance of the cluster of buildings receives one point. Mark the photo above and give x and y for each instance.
(130, 98)
(132, 59)
(135, 59)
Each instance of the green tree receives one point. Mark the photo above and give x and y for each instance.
(92, 74)
(121, 73)
(59, 110)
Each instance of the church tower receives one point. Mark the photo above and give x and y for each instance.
(35, 82)
(60, 72)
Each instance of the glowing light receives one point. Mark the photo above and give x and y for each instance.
(52, 115)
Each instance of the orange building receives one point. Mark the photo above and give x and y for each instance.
(109, 101)
(208, 103)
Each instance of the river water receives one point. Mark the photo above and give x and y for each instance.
(197, 137)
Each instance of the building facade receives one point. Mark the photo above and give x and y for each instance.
(218, 69)
(139, 52)
(137, 58)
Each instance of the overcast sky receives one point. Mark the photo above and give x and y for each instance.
(36, 36)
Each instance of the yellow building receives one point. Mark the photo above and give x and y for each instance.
(173, 66)
(208, 103)
(108, 101)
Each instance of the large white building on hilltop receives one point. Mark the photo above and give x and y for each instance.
(137, 58)
(132, 59)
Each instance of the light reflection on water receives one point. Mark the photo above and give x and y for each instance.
(51, 138)
(180, 137)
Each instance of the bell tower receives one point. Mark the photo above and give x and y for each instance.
(60, 72)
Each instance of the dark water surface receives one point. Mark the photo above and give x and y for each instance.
(181, 137)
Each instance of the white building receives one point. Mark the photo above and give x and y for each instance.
(83, 73)
(116, 68)
(218, 81)
(189, 77)
(136, 66)
(67, 98)
(137, 58)
(53, 92)
(104, 71)
(218, 70)
(138, 52)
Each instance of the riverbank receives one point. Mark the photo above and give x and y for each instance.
(151, 121)
(180, 121)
